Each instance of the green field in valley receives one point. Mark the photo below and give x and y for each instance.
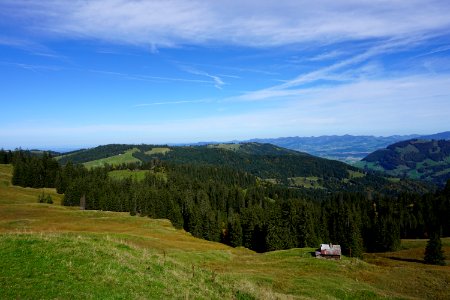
(52, 251)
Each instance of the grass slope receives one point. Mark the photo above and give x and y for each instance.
(51, 251)
(124, 158)
(157, 150)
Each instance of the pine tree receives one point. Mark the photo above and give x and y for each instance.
(235, 232)
(433, 251)
(355, 241)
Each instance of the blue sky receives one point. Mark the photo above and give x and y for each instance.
(84, 73)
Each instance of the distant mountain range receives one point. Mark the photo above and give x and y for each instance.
(417, 159)
(347, 148)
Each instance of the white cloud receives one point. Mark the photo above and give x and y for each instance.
(169, 23)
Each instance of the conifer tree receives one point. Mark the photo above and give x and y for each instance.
(235, 232)
(355, 241)
(433, 251)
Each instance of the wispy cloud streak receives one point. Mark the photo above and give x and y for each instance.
(31, 47)
(169, 103)
(31, 67)
(327, 55)
(218, 82)
(252, 23)
(147, 77)
(327, 72)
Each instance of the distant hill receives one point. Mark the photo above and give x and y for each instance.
(438, 136)
(416, 158)
(266, 161)
(347, 148)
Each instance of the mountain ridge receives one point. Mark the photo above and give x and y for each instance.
(265, 161)
(416, 158)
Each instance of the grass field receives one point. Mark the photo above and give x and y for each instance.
(124, 158)
(51, 251)
(306, 182)
(355, 174)
(158, 150)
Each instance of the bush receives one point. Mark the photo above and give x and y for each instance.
(44, 198)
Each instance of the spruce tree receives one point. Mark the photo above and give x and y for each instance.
(235, 232)
(433, 251)
(355, 241)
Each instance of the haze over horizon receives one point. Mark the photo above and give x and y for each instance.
(79, 73)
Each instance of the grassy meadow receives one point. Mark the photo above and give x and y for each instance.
(52, 251)
(158, 150)
(124, 158)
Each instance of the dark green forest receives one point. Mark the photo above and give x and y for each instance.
(422, 159)
(233, 206)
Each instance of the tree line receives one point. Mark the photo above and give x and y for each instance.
(234, 207)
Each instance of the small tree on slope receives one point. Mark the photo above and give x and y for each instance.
(433, 252)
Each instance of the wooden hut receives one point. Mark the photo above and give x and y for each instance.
(329, 251)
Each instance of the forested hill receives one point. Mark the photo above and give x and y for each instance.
(105, 151)
(417, 159)
(266, 161)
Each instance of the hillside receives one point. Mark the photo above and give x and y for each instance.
(52, 251)
(417, 159)
(268, 162)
